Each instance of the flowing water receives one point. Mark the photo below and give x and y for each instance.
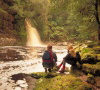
(33, 37)
(24, 59)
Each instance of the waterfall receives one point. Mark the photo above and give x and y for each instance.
(33, 38)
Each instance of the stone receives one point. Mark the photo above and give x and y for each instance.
(0, 84)
(17, 88)
(23, 85)
(20, 82)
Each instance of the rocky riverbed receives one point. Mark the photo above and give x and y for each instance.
(17, 62)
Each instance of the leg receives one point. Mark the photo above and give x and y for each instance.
(60, 65)
(45, 70)
(73, 68)
(49, 69)
(63, 68)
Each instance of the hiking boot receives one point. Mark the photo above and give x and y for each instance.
(61, 71)
(45, 70)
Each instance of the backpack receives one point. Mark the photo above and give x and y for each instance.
(47, 56)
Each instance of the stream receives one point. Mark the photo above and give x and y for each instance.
(21, 59)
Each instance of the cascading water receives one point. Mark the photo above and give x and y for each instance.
(33, 38)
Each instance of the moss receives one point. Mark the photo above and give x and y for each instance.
(96, 49)
(3, 11)
(43, 75)
(92, 68)
(98, 56)
(88, 55)
(86, 50)
(20, 29)
(92, 44)
(61, 82)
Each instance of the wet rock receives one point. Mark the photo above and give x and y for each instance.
(0, 84)
(97, 79)
(31, 82)
(20, 82)
(91, 80)
(19, 76)
(17, 88)
(23, 85)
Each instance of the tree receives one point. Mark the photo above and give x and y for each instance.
(97, 6)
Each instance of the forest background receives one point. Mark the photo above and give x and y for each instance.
(55, 20)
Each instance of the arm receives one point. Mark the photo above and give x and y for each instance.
(78, 58)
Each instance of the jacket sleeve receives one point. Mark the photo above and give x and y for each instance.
(55, 57)
(66, 57)
(78, 57)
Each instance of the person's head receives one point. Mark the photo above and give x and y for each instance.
(71, 50)
(49, 47)
(70, 47)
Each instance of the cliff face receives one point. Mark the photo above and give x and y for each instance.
(7, 36)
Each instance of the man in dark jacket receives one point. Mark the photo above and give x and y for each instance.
(49, 59)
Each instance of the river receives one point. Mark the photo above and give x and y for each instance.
(22, 59)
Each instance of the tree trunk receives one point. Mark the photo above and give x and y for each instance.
(97, 17)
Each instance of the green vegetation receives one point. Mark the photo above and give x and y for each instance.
(57, 20)
(92, 68)
(3, 11)
(91, 59)
(72, 20)
(61, 82)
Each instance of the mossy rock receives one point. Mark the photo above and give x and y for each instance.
(97, 49)
(62, 82)
(89, 58)
(80, 47)
(43, 75)
(91, 79)
(88, 55)
(98, 56)
(92, 68)
(92, 44)
(3, 11)
(87, 50)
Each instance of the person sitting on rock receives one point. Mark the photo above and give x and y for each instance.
(71, 58)
(49, 59)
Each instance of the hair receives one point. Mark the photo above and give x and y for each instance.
(71, 51)
(49, 47)
(70, 47)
